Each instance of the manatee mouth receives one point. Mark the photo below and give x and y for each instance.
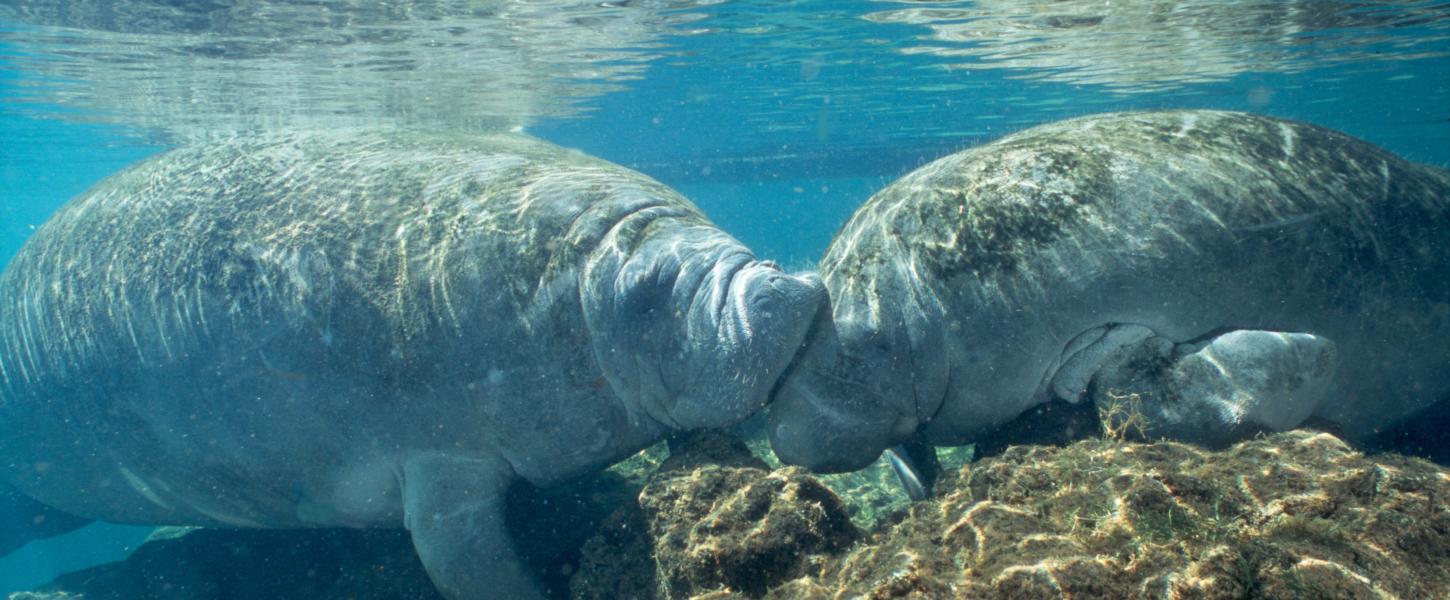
(830, 429)
(758, 321)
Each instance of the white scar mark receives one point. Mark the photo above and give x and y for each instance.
(144, 489)
(742, 306)
(1286, 222)
(135, 340)
(228, 519)
(1288, 133)
(1384, 179)
(1189, 122)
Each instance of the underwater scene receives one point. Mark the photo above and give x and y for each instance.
(724, 299)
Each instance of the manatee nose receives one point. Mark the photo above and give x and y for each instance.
(772, 289)
(806, 431)
(809, 285)
(802, 291)
(763, 300)
(780, 302)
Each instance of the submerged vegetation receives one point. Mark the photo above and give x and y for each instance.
(1121, 415)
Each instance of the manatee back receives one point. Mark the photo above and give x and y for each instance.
(261, 294)
(273, 230)
(1185, 221)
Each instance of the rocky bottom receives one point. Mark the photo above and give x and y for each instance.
(1291, 515)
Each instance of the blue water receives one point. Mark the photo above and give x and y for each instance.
(777, 118)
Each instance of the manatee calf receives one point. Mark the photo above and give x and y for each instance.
(1221, 271)
(372, 330)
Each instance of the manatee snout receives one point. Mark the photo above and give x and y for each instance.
(806, 431)
(838, 406)
(779, 302)
(761, 325)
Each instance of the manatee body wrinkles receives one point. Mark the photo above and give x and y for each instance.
(1234, 272)
(370, 329)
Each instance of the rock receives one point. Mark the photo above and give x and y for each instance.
(1297, 514)
(714, 522)
(618, 561)
(699, 448)
(742, 529)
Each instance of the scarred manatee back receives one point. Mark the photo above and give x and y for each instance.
(964, 281)
(271, 315)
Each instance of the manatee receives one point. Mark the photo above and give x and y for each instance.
(1218, 272)
(373, 329)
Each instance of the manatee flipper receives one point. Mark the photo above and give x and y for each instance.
(1269, 378)
(454, 509)
(23, 519)
(1221, 389)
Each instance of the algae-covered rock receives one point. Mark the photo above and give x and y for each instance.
(720, 520)
(873, 495)
(1292, 515)
(1298, 514)
(618, 561)
(740, 528)
(714, 521)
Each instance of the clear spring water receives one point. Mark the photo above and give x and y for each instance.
(777, 118)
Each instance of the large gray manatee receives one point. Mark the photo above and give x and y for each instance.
(373, 330)
(1231, 271)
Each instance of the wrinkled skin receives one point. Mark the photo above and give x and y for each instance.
(372, 330)
(1114, 254)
